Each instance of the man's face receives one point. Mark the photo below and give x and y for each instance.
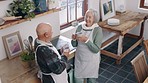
(49, 33)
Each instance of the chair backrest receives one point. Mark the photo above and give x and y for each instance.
(146, 46)
(140, 67)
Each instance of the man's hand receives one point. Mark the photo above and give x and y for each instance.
(66, 52)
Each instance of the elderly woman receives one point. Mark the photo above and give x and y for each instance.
(88, 40)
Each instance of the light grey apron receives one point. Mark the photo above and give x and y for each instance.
(86, 62)
(60, 78)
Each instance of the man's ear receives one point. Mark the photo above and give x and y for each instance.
(46, 34)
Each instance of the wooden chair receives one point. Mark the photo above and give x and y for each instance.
(146, 46)
(140, 67)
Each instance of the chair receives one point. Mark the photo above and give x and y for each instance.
(146, 46)
(140, 67)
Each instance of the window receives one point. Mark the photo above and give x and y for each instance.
(71, 10)
(144, 4)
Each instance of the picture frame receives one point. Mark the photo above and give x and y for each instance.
(107, 9)
(13, 44)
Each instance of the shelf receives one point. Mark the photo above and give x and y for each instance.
(18, 21)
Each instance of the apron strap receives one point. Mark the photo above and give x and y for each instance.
(40, 73)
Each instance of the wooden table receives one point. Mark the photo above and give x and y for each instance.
(128, 21)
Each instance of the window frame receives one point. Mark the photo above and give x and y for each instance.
(63, 26)
(142, 4)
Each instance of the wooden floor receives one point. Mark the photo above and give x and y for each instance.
(33, 80)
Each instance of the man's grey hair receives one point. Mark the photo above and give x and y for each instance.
(41, 29)
(95, 14)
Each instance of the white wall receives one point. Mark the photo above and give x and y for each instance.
(134, 6)
(4, 7)
(26, 28)
(120, 4)
(94, 4)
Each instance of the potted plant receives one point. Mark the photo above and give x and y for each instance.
(28, 56)
(22, 8)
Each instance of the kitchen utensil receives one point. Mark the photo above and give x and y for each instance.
(27, 44)
(30, 41)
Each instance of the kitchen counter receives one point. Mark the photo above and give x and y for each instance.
(12, 71)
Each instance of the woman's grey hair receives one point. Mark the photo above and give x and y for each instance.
(95, 14)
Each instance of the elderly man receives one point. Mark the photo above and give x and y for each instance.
(51, 63)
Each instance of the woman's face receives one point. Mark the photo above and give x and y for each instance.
(89, 19)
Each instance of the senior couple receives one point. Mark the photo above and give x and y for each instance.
(87, 56)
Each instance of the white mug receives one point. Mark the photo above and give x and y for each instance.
(79, 34)
(65, 48)
(75, 23)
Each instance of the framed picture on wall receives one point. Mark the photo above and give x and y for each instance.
(13, 44)
(107, 9)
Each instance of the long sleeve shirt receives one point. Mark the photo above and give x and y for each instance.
(48, 60)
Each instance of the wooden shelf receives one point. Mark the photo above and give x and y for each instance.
(18, 21)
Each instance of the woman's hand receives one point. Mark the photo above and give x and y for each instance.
(74, 36)
(82, 38)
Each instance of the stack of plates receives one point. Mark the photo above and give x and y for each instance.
(113, 21)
